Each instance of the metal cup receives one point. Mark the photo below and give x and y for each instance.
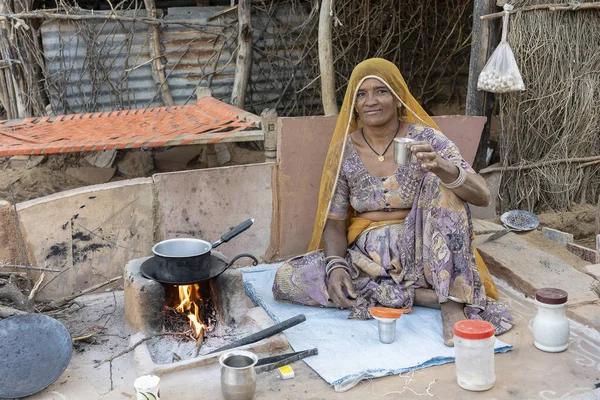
(401, 153)
(387, 330)
(238, 376)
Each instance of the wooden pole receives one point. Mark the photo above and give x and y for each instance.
(326, 60)
(269, 119)
(484, 39)
(158, 70)
(12, 79)
(550, 7)
(243, 64)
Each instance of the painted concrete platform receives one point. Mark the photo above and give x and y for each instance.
(524, 373)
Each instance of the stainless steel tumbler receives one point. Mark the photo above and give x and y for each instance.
(401, 153)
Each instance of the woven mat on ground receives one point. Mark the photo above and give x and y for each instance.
(349, 350)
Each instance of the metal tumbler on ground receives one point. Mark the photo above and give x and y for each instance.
(238, 376)
(401, 153)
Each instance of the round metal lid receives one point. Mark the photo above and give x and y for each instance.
(36, 350)
(551, 296)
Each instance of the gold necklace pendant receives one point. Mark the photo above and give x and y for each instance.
(381, 158)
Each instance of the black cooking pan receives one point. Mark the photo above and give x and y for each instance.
(183, 261)
(208, 268)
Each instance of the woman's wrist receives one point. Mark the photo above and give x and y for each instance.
(446, 171)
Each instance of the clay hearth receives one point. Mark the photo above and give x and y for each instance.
(144, 313)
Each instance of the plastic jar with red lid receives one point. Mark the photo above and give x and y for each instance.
(474, 353)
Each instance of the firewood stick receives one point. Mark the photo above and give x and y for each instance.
(6, 312)
(265, 333)
(199, 342)
(84, 337)
(59, 303)
(36, 287)
(28, 267)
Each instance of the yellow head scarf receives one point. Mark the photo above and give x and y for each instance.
(389, 75)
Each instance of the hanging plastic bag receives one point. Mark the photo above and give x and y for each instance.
(501, 73)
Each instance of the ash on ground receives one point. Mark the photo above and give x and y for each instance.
(169, 348)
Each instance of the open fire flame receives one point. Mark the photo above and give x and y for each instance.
(190, 301)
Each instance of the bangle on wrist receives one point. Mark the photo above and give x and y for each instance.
(331, 258)
(462, 177)
(336, 263)
(335, 267)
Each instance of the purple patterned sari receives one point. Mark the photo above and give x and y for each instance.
(432, 248)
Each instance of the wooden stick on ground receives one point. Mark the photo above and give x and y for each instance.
(36, 287)
(127, 350)
(28, 267)
(59, 303)
(6, 312)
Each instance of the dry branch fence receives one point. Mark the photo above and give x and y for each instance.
(79, 60)
(558, 117)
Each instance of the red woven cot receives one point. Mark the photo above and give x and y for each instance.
(128, 129)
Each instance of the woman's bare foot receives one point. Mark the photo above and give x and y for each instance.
(452, 312)
(426, 298)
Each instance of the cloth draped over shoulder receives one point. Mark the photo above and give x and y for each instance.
(412, 112)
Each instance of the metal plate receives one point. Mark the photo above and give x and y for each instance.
(150, 269)
(36, 350)
(520, 220)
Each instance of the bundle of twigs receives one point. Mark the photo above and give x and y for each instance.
(428, 40)
(555, 124)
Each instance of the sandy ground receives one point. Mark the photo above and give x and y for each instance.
(523, 373)
(51, 177)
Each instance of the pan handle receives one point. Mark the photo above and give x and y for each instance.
(234, 259)
(234, 232)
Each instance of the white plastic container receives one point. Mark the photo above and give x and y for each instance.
(474, 352)
(550, 325)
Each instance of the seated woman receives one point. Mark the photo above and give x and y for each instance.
(393, 235)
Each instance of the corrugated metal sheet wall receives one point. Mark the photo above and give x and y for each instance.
(106, 65)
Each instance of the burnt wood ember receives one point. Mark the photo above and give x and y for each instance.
(178, 322)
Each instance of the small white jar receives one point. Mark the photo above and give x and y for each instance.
(550, 325)
(474, 352)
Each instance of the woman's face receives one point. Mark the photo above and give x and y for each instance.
(375, 104)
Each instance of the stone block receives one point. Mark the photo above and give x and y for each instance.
(136, 164)
(482, 227)
(589, 255)
(92, 175)
(526, 268)
(102, 159)
(176, 158)
(88, 233)
(586, 311)
(26, 162)
(597, 242)
(559, 237)
(592, 270)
